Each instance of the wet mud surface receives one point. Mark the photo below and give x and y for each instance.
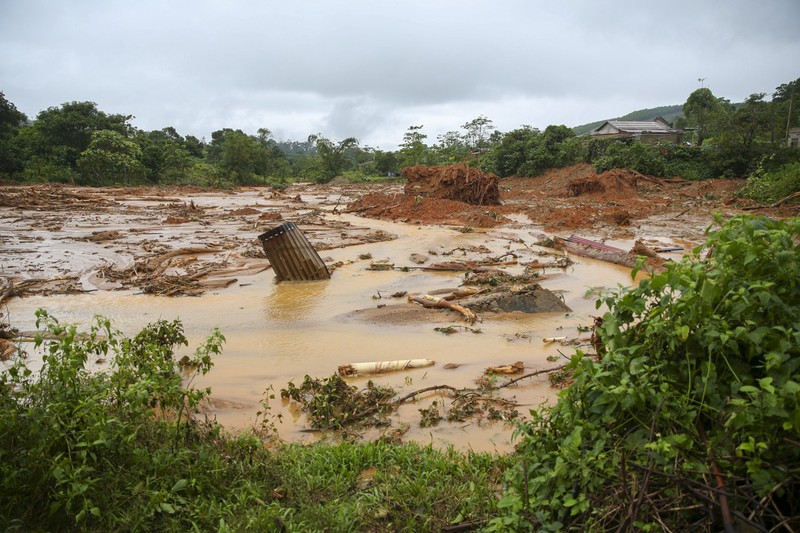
(138, 255)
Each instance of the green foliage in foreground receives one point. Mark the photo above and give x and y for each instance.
(691, 416)
(122, 450)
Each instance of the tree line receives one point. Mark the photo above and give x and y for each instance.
(78, 143)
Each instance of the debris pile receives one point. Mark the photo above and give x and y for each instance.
(621, 182)
(531, 299)
(454, 182)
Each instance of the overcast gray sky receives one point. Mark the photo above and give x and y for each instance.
(372, 68)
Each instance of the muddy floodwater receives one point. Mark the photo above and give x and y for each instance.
(280, 332)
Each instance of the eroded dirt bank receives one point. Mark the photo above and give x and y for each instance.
(137, 255)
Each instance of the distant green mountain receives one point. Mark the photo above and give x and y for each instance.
(668, 112)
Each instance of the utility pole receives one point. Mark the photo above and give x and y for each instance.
(789, 116)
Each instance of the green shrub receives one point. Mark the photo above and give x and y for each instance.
(104, 450)
(771, 186)
(695, 393)
(645, 158)
(688, 162)
(43, 170)
(663, 160)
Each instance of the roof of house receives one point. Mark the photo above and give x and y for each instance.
(659, 125)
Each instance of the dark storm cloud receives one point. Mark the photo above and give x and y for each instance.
(370, 69)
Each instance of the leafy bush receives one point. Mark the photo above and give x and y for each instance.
(529, 152)
(689, 419)
(771, 186)
(43, 170)
(688, 162)
(645, 158)
(76, 444)
(663, 160)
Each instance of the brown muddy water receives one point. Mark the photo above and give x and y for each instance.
(278, 333)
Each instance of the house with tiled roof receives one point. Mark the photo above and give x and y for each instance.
(647, 131)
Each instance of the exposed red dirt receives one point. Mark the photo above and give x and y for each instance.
(452, 182)
(568, 198)
(421, 210)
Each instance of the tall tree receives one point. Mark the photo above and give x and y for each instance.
(414, 151)
(477, 136)
(11, 120)
(386, 162)
(515, 149)
(451, 148)
(243, 157)
(746, 137)
(64, 132)
(332, 154)
(194, 146)
(702, 110)
(786, 105)
(110, 156)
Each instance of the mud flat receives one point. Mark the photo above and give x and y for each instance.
(138, 255)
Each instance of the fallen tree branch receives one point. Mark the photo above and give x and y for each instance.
(776, 204)
(426, 300)
(416, 393)
(784, 200)
(608, 254)
(532, 374)
(154, 263)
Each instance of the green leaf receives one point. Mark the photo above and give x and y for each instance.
(569, 501)
(638, 365)
(766, 384)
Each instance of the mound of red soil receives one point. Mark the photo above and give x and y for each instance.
(454, 182)
(562, 199)
(619, 182)
(418, 209)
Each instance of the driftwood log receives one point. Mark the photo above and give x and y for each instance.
(610, 254)
(159, 264)
(380, 367)
(426, 300)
